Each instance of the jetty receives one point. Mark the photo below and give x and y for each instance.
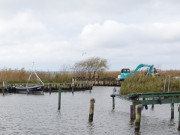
(142, 100)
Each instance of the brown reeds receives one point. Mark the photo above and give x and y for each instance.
(149, 84)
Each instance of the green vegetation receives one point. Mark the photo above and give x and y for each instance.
(145, 84)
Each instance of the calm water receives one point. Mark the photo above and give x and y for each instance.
(38, 115)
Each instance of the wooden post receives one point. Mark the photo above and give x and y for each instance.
(132, 112)
(113, 101)
(91, 110)
(72, 85)
(138, 118)
(172, 110)
(50, 89)
(179, 118)
(3, 88)
(152, 107)
(59, 99)
(72, 89)
(90, 87)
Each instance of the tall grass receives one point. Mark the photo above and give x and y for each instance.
(149, 84)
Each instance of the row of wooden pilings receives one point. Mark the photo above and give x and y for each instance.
(82, 85)
(106, 83)
(50, 87)
(135, 114)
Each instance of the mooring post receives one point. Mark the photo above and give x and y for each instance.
(113, 101)
(172, 110)
(179, 117)
(152, 107)
(3, 88)
(59, 99)
(132, 112)
(50, 89)
(72, 85)
(91, 110)
(90, 87)
(72, 89)
(138, 118)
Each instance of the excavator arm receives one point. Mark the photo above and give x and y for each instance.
(144, 65)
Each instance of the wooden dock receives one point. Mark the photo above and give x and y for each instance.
(143, 99)
(78, 85)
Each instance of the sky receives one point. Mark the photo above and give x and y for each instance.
(55, 34)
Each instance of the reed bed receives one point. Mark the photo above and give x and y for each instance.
(21, 76)
(149, 84)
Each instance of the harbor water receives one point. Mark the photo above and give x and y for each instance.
(22, 114)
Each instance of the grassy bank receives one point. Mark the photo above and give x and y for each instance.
(145, 84)
(21, 76)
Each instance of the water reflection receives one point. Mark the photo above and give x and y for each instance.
(90, 128)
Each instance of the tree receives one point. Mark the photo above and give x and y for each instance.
(91, 66)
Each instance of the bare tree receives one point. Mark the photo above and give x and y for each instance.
(91, 66)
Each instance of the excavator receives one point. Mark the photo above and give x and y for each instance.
(125, 72)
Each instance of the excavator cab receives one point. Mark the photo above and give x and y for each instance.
(125, 70)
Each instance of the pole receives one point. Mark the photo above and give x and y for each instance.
(59, 99)
(72, 85)
(113, 101)
(138, 118)
(179, 118)
(152, 107)
(172, 110)
(50, 90)
(133, 112)
(169, 83)
(91, 110)
(3, 88)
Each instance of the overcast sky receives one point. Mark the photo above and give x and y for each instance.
(58, 33)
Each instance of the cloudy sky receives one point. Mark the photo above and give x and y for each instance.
(58, 33)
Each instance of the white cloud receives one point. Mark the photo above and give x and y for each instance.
(110, 32)
(59, 32)
(155, 43)
(22, 22)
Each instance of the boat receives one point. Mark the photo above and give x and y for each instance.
(31, 88)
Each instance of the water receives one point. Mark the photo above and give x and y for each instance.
(38, 115)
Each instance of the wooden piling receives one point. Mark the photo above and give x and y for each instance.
(90, 87)
(113, 101)
(172, 110)
(50, 89)
(152, 107)
(72, 85)
(179, 118)
(132, 112)
(3, 88)
(91, 110)
(72, 89)
(138, 118)
(59, 99)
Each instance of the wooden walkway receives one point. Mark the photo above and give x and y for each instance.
(143, 99)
